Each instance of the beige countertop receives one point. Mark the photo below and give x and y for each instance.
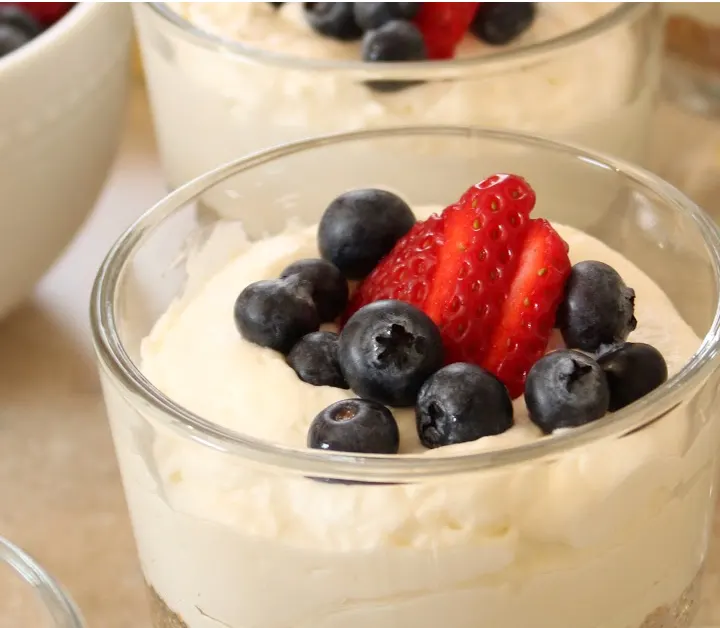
(60, 494)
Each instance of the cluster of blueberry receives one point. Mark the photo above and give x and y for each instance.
(391, 353)
(22, 22)
(599, 371)
(357, 230)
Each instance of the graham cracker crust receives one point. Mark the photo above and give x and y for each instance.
(160, 613)
(677, 615)
(680, 614)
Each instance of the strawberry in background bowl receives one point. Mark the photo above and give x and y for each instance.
(63, 90)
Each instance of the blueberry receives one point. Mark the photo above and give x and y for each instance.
(13, 15)
(11, 38)
(395, 41)
(355, 425)
(360, 227)
(277, 313)
(460, 403)
(566, 388)
(387, 350)
(632, 370)
(329, 287)
(498, 23)
(598, 308)
(333, 19)
(314, 359)
(369, 15)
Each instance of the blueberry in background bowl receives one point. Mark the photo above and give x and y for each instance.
(17, 27)
(21, 22)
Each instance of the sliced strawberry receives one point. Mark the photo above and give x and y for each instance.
(443, 25)
(483, 235)
(489, 277)
(528, 314)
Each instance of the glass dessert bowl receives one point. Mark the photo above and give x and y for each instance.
(226, 80)
(30, 595)
(238, 523)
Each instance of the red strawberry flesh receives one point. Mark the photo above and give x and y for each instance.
(482, 233)
(443, 25)
(527, 316)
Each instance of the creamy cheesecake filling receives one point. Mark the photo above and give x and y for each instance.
(209, 104)
(332, 100)
(226, 543)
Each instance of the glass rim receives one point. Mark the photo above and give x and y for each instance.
(624, 11)
(407, 467)
(60, 607)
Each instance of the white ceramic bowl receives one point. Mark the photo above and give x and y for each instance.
(62, 103)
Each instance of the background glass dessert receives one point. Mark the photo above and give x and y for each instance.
(692, 75)
(215, 98)
(31, 595)
(567, 528)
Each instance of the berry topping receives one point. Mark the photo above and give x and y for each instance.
(357, 426)
(489, 277)
(360, 227)
(395, 41)
(46, 13)
(443, 25)
(387, 350)
(19, 18)
(499, 23)
(632, 370)
(528, 312)
(314, 359)
(329, 287)
(370, 15)
(598, 308)
(566, 388)
(333, 19)
(460, 403)
(277, 313)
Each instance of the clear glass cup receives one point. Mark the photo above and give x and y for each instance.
(238, 532)
(692, 43)
(30, 596)
(215, 99)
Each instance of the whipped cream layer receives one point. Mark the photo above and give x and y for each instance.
(602, 537)
(210, 106)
